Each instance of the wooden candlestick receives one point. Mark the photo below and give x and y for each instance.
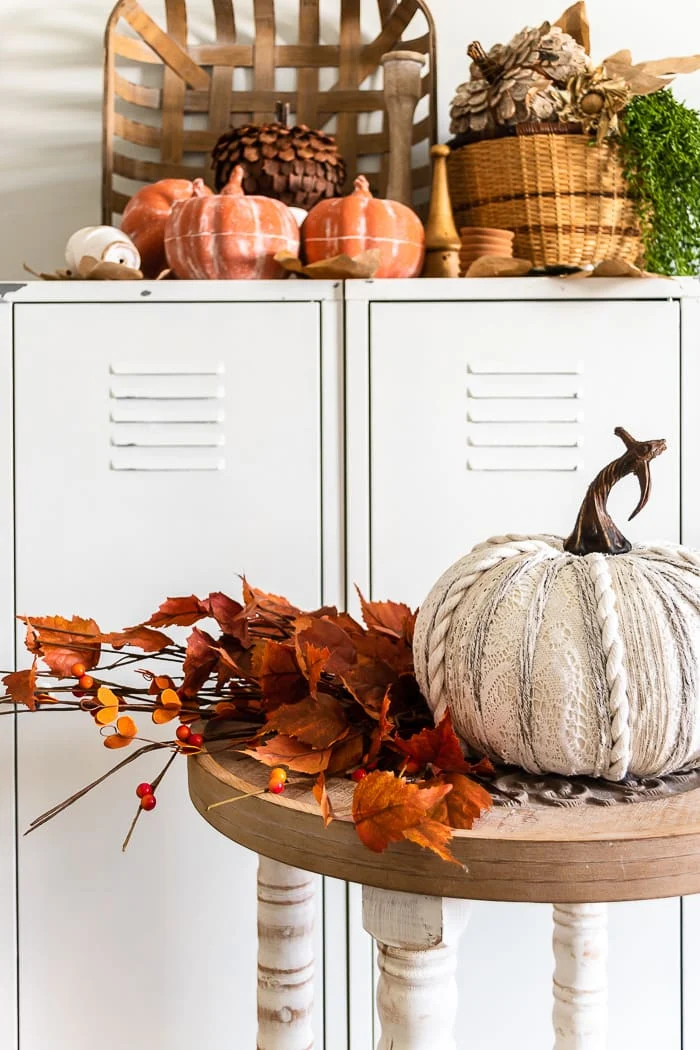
(441, 238)
(402, 90)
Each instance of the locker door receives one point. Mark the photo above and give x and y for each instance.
(161, 449)
(487, 418)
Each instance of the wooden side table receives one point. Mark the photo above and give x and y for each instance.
(416, 906)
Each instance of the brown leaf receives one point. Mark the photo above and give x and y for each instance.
(438, 747)
(327, 633)
(284, 751)
(368, 681)
(321, 796)
(229, 615)
(312, 662)
(385, 807)
(272, 604)
(21, 685)
(393, 618)
(670, 67)
(464, 804)
(318, 723)
(144, 638)
(62, 643)
(200, 660)
(281, 679)
(180, 612)
(346, 754)
(575, 22)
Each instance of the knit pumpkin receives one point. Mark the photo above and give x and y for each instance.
(572, 657)
(360, 222)
(145, 217)
(229, 236)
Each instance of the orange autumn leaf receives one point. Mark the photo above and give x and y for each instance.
(168, 708)
(144, 638)
(393, 618)
(318, 723)
(464, 804)
(21, 685)
(432, 835)
(178, 612)
(438, 747)
(327, 633)
(62, 643)
(272, 604)
(383, 729)
(368, 681)
(281, 679)
(385, 807)
(321, 795)
(312, 660)
(285, 751)
(109, 706)
(125, 732)
(346, 754)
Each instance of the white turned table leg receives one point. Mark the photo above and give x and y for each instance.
(580, 976)
(417, 941)
(285, 956)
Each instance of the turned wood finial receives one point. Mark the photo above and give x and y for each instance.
(595, 531)
(403, 71)
(441, 238)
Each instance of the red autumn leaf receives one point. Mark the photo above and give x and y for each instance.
(200, 660)
(271, 604)
(229, 615)
(312, 662)
(393, 618)
(438, 747)
(21, 685)
(281, 679)
(284, 751)
(368, 681)
(394, 652)
(383, 729)
(385, 807)
(321, 795)
(327, 634)
(318, 723)
(62, 643)
(144, 638)
(464, 804)
(178, 612)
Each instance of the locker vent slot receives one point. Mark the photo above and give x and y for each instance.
(166, 417)
(524, 417)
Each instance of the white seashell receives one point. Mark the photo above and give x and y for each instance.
(106, 243)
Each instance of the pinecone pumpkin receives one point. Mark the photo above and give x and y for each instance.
(517, 82)
(296, 165)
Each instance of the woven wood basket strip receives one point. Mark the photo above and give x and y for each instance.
(147, 118)
(566, 201)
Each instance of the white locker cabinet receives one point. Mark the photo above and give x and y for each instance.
(468, 419)
(162, 447)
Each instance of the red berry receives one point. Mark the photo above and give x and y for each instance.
(86, 681)
(358, 774)
(78, 670)
(144, 789)
(276, 787)
(195, 739)
(183, 734)
(148, 802)
(79, 693)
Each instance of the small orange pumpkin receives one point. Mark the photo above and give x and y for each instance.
(354, 224)
(145, 217)
(229, 236)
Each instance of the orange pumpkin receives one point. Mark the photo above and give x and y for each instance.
(354, 224)
(229, 236)
(145, 217)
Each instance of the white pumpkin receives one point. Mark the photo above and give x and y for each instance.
(573, 657)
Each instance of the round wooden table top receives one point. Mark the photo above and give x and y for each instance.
(532, 852)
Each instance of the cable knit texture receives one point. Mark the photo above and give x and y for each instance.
(565, 664)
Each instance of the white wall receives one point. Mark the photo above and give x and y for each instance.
(50, 87)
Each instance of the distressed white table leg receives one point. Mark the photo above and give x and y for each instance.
(286, 898)
(417, 941)
(580, 976)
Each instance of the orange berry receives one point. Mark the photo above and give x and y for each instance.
(278, 774)
(86, 681)
(183, 734)
(78, 670)
(148, 802)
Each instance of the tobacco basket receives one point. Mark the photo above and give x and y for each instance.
(167, 100)
(565, 199)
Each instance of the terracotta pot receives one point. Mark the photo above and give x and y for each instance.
(488, 231)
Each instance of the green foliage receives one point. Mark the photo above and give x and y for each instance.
(660, 144)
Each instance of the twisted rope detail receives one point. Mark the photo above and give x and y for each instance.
(615, 673)
(494, 553)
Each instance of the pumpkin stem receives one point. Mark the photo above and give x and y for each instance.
(234, 186)
(361, 185)
(595, 531)
(200, 188)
